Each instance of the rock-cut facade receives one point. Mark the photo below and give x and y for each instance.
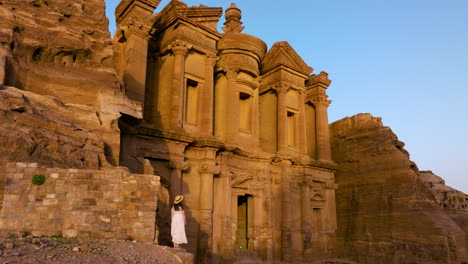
(238, 129)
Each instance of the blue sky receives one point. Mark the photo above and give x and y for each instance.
(404, 61)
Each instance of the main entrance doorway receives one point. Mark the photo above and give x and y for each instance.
(244, 216)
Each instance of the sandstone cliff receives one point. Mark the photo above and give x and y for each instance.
(386, 214)
(62, 49)
(454, 202)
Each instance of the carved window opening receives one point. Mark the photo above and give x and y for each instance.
(244, 221)
(291, 128)
(245, 112)
(191, 102)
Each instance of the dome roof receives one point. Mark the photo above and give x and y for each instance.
(233, 39)
(241, 41)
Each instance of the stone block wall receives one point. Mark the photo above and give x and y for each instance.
(108, 203)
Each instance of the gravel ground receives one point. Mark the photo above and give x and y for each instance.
(31, 249)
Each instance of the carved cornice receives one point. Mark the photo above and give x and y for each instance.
(177, 11)
(318, 80)
(133, 26)
(126, 6)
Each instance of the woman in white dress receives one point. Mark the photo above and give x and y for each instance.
(178, 222)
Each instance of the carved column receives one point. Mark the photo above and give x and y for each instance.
(317, 85)
(177, 167)
(330, 206)
(206, 100)
(206, 172)
(301, 126)
(323, 134)
(304, 185)
(180, 50)
(232, 122)
(286, 235)
(282, 129)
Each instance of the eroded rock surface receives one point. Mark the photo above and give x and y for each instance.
(386, 214)
(63, 49)
(454, 202)
(42, 129)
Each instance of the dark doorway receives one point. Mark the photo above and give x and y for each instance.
(243, 221)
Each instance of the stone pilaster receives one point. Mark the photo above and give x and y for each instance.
(286, 232)
(180, 50)
(316, 90)
(177, 167)
(136, 56)
(323, 135)
(232, 122)
(301, 125)
(207, 96)
(206, 171)
(133, 23)
(282, 129)
(304, 185)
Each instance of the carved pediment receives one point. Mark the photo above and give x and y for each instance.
(317, 200)
(282, 54)
(317, 197)
(241, 180)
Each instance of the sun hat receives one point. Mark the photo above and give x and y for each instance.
(178, 199)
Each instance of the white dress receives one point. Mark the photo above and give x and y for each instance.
(178, 227)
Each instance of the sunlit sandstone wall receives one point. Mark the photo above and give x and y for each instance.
(385, 212)
(109, 203)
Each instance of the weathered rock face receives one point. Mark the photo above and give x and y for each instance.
(454, 202)
(63, 49)
(385, 212)
(56, 47)
(44, 130)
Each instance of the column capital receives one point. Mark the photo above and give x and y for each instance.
(209, 169)
(211, 59)
(304, 181)
(319, 100)
(231, 72)
(330, 184)
(281, 87)
(178, 164)
(179, 47)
